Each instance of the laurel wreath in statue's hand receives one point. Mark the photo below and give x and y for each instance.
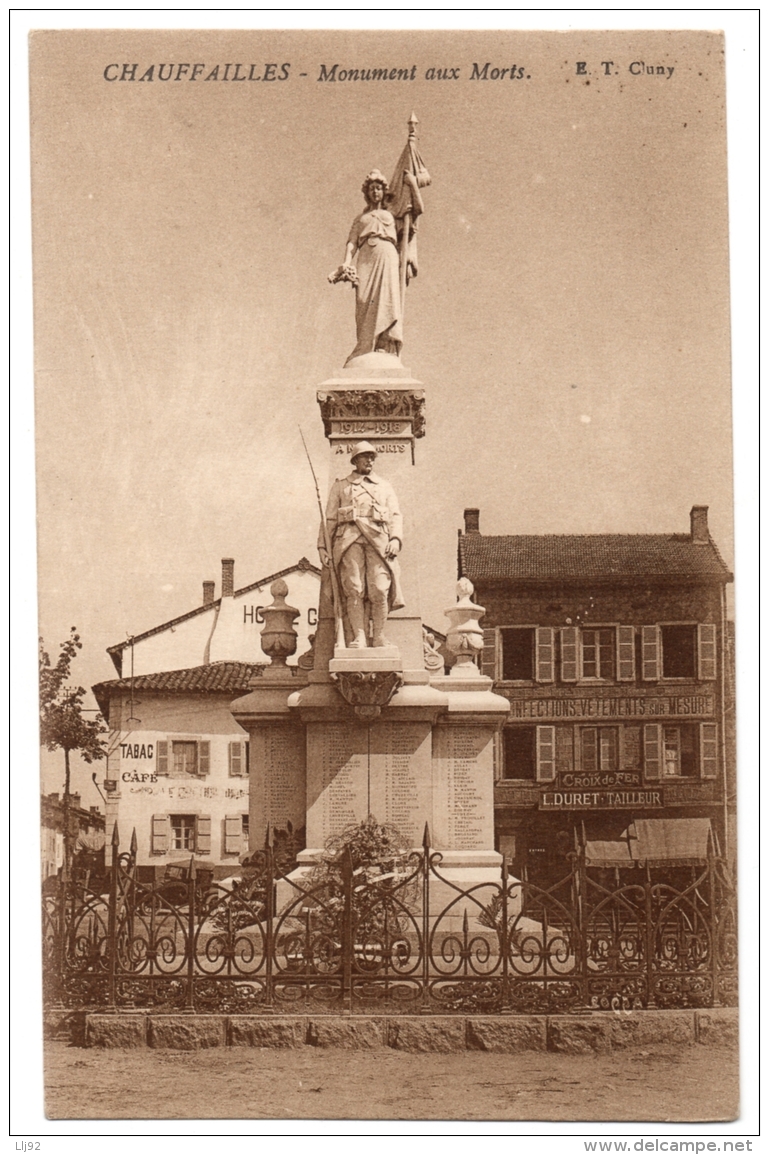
(344, 273)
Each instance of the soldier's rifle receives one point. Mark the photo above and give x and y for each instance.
(336, 596)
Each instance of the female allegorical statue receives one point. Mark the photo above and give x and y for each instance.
(376, 246)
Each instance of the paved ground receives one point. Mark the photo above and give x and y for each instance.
(662, 1083)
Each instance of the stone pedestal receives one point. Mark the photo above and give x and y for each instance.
(277, 754)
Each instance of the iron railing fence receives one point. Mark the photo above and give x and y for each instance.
(407, 941)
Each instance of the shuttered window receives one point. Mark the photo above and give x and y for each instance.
(184, 758)
(598, 653)
(569, 654)
(599, 748)
(545, 753)
(203, 834)
(517, 644)
(545, 663)
(204, 758)
(652, 751)
(650, 653)
(706, 652)
(160, 833)
(237, 759)
(182, 831)
(233, 833)
(161, 766)
(626, 654)
(489, 654)
(708, 749)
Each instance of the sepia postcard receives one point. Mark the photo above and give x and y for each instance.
(385, 576)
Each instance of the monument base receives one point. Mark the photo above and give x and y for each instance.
(347, 659)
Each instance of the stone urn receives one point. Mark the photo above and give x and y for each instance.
(278, 633)
(465, 636)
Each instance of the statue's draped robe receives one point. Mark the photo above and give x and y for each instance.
(378, 313)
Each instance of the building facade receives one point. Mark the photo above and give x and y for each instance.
(613, 651)
(177, 771)
(86, 829)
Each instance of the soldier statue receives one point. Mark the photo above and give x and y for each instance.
(365, 530)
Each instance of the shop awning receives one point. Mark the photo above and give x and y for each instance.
(656, 842)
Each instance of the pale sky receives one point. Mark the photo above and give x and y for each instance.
(569, 322)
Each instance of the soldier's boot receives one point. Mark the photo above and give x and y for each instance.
(379, 617)
(357, 619)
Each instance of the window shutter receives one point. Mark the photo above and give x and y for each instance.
(489, 654)
(203, 834)
(160, 832)
(248, 757)
(708, 749)
(233, 831)
(162, 758)
(652, 750)
(626, 654)
(650, 653)
(706, 652)
(569, 654)
(545, 668)
(204, 758)
(545, 753)
(236, 759)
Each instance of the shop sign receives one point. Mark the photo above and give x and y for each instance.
(600, 800)
(577, 708)
(602, 778)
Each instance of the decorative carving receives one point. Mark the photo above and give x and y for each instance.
(465, 637)
(370, 404)
(306, 661)
(433, 656)
(367, 691)
(278, 634)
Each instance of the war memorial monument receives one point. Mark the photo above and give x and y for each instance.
(369, 724)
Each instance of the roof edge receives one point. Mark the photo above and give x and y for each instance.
(302, 565)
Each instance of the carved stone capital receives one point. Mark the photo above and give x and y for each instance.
(367, 691)
(373, 404)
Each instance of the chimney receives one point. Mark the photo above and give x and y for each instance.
(74, 801)
(228, 577)
(53, 797)
(208, 592)
(699, 521)
(472, 521)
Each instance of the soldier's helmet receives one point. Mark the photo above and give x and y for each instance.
(362, 447)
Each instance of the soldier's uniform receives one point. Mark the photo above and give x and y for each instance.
(363, 517)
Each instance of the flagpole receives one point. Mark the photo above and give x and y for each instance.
(404, 247)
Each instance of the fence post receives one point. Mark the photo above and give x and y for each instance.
(715, 928)
(504, 938)
(347, 927)
(579, 876)
(650, 950)
(112, 919)
(269, 913)
(426, 919)
(191, 881)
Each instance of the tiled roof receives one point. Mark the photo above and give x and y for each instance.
(303, 566)
(218, 677)
(529, 557)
